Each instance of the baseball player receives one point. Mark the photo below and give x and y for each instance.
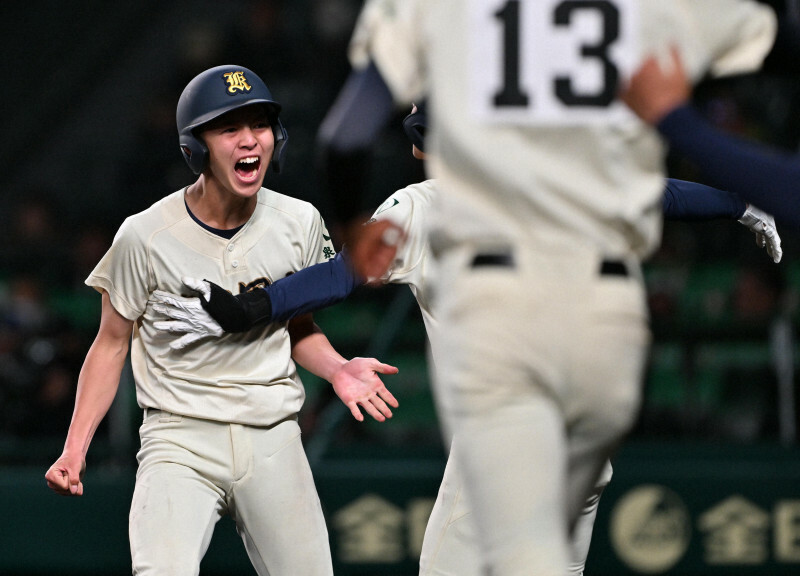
(661, 97)
(220, 433)
(450, 543)
(549, 205)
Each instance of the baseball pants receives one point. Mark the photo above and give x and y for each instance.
(450, 546)
(539, 379)
(192, 472)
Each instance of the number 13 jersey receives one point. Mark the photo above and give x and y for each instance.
(528, 140)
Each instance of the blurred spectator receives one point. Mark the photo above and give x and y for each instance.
(758, 294)
(262, 37)
(33, 242)
(24, 307)
(157, 168)
(16, 377)
(333, 22)
(747, 407)
(92, 242)
(40, 355)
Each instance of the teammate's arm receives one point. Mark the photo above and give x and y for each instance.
(365, 97)
(313, 288)
(97, 385)
(355, 381)
(362, 110)
(684, 200)
(759, 174)
(375, 248)
(217, 311)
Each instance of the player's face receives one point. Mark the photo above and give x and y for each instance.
(240, 145)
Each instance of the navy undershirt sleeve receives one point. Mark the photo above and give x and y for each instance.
(684, 200)
(312, 288)
(766, 177)
(361, 111)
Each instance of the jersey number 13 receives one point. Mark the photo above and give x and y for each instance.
(550, 61)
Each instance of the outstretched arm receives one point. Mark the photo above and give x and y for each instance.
(684, 200)
(313, 288)
(759, 174)
(217, 311)
(356, 381)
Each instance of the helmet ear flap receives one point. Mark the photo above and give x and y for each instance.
(194, 152)
(281, 139)
(415, 125)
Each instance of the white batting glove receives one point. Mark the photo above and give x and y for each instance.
(763, 226)
(188, 317)
(198, 285)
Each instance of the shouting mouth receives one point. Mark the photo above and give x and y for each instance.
(247, 168)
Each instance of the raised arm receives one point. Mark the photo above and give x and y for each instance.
(345, 141)
(97, 385)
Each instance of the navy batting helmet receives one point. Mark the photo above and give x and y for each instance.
(211, 94)
(415, 125)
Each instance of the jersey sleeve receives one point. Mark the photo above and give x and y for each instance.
(389, 33)
(714, 37)
(741, 34)
(319, 246)
(123, 272)
(409, 212)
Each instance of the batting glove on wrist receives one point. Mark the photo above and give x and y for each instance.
(187, 317)
(233, 313)
(763, 226)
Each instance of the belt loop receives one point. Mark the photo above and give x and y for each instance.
(502, 258)
(614, 268)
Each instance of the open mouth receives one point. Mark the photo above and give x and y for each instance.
(247, 168)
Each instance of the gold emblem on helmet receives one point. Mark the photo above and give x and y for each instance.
(236, 81)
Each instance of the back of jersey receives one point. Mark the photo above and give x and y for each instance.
(529, 141)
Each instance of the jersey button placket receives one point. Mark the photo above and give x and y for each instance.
(233, 257)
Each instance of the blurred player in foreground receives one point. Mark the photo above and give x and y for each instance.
(549, 205)
(393, 248)
(220, 433)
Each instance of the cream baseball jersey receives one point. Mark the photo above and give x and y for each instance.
(246, 378)
(413, 265)
(528, 141)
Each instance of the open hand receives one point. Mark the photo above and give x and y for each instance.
(357, 383)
